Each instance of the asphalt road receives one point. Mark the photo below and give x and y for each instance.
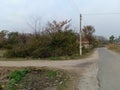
(109, 70)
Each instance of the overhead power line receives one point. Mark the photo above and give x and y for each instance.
(106, 13)
(93, 13)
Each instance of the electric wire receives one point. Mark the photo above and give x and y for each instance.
(102, 13)
(94, 13)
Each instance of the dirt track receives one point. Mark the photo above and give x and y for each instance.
(83, 71)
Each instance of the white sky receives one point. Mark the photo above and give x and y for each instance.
(15, 14)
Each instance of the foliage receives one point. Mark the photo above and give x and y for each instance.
(85, 50)
(1, 87)
(3, 40)
(37, 79)
(63, 43)
(88, 34)
(111, 39)
(52, 74)
(13, 37)
(56, 40)
(15, 77)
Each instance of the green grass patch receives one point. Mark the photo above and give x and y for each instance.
(39, 79)
(15, 77)
(35, 79)
(1, 87)
(52, 74)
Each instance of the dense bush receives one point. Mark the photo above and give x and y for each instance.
(61, 44)
(56, 40)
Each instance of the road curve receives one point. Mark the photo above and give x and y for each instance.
(49, 63)
(109, 70)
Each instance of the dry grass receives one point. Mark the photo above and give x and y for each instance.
(114, 47)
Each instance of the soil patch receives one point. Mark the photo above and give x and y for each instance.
(36, 79)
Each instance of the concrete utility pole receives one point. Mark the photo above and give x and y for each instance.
(80, 47)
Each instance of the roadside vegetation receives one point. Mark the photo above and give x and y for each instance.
(114, 43)
(56, 41)
(114, 47)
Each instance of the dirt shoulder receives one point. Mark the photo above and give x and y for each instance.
(89, 81)
(81, 71)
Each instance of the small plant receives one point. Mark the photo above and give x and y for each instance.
(55, 58)
(52, 74)
(15, 77)
(1, 87)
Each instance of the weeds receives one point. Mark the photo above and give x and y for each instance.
(34, 78)
(52, 74)
(1, 87)
(15, 77)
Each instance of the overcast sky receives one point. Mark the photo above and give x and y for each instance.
(104, 15)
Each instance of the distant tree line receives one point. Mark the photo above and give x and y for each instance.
(114, 40)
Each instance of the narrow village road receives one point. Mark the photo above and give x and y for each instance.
(109, 70)
(107, 61)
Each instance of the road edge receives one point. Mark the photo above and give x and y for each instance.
(89, 80)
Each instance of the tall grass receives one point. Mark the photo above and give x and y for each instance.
(114, 47)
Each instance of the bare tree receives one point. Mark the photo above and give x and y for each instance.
(58, 26)
(88, 33)
(35, 24)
